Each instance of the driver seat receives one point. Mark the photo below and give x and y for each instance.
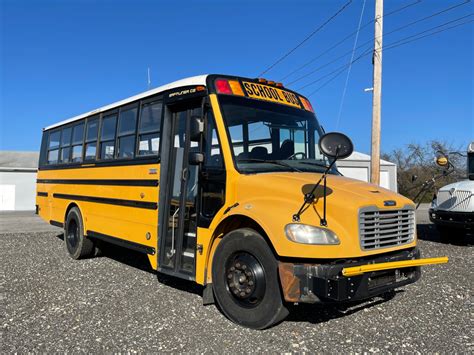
(287, 149)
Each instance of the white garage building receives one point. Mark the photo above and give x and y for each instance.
(18, 180)
(357, 166)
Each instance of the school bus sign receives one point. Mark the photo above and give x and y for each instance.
(269, 93)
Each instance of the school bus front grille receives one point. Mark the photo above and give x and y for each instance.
(386, 228)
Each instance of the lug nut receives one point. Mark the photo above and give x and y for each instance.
(251, 283)
(244, 267)
(237, 265)
(232, 268)
(229, 276)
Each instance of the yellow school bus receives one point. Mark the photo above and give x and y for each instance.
(232, 183)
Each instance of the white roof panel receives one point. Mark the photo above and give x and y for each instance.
(194, 80)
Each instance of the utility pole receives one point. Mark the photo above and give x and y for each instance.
(377, 93)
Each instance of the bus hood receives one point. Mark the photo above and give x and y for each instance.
(272, 199)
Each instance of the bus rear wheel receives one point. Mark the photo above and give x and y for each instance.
(77, 245)
(245, 280)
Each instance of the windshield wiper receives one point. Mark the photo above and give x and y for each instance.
(276, 162)
(311, 163)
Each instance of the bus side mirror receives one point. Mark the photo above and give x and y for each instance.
(196, 158)
(196, 128)
(336, 145)
(442, 160)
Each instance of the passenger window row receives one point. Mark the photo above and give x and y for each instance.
(125, 133)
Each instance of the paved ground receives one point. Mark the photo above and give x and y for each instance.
(115, 303)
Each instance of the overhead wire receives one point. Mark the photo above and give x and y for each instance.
(346, 38)
(307, 38)
(384, 35)
(396, 44)
(350, 66)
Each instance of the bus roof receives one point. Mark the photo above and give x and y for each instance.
(194, 80)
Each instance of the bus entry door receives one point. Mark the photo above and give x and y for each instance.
(178, 209)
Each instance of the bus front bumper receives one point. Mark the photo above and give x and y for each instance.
(350, 281)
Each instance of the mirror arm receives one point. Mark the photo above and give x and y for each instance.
(309, 197)
(323, 221)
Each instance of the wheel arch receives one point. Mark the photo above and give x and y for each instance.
(70, 206)
(230, 223)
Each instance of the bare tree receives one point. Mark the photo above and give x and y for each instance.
(416, 160)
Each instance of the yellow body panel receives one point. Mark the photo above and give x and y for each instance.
(359, 270)
(123, 222)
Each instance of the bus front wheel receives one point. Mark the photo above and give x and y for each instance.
(245, 280)
(77, 245)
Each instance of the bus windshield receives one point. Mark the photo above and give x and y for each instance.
(267, 137)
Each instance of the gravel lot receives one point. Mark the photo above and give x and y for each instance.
(50, 302)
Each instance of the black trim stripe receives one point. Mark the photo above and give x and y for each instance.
(100, 164)
(56, 224)
(109, 201)
(114, 182)
(43, 194)
(121, 242)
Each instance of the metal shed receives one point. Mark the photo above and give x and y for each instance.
(18, 180)
(357, 166)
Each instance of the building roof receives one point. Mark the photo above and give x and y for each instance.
(358, 156)
(194, 80)
(18, 161)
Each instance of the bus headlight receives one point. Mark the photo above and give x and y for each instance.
(306, 234)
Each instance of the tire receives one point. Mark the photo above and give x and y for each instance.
(245, 280)
(77, 245)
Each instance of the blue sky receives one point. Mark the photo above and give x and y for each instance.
(62, 58)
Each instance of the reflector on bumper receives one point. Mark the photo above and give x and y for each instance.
(359, 270)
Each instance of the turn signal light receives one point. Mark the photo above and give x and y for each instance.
(271, 83)
(262, 80)
(306, 104)
(279, 85)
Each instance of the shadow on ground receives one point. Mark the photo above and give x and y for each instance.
(314, 314)
(458, 237)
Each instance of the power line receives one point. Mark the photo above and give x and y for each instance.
(346, 38)
(307, 38)
(350, 66)
(386, 34)
(396, 44)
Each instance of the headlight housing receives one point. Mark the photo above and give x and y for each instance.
(306, 234)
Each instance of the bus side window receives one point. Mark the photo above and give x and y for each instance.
(213, 149)
(107, 136)
(44, 149)
(213, 179)
(126, 132)
(65, 154)
(91, 138)
(53, 147)
(149, 128)
(77, 140)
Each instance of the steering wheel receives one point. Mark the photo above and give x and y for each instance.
(293, 156)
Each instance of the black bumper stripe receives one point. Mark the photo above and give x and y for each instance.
(109, 201)
(121, 242)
